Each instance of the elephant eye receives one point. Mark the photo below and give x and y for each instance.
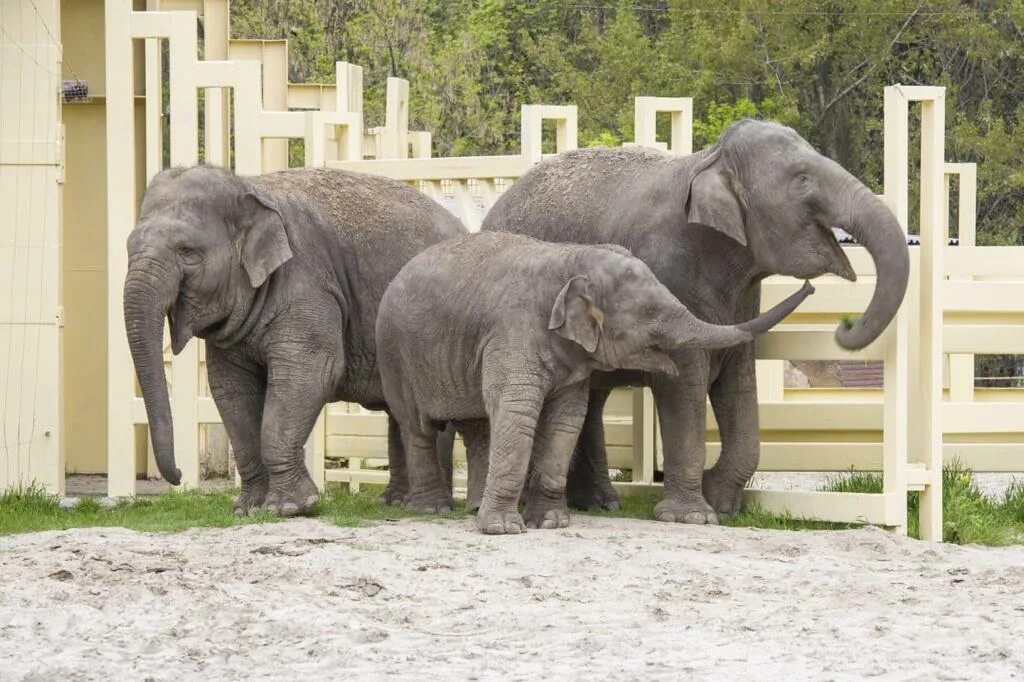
(188, 254)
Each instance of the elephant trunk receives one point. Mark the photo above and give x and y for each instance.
(147, 297)
(759, 325)
(699, 334)
(874, 226)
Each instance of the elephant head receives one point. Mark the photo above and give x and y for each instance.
(767, 188)
(624, 318)
(200, 255)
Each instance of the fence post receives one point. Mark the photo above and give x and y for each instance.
(121, 201)
(961, 365)
(645, 123)
(925, 407)
(395, 144)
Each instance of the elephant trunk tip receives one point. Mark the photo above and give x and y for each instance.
(172, 477)
(855, 336)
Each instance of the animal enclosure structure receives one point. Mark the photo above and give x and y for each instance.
(962, 300)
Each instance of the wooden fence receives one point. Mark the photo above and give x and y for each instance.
(962, 300)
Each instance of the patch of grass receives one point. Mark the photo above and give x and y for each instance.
(641, 506)
(855, 482)
(32, 510)
(753, 516)
(968, 515)
(343, 508)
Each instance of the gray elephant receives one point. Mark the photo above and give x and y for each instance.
(282, 275)
(711, 226)
(504, 330)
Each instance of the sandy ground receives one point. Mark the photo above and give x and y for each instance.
(604, 599)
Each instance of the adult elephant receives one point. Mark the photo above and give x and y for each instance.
(282, 275)
(760, 201)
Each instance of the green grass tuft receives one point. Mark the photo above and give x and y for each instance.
(968, 515)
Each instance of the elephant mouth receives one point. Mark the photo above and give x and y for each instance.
(182, 330)
(655, 359)
(838, 262)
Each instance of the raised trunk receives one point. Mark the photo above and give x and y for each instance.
(146, 300)
(700, 334)
(874, 226)
(759, 325)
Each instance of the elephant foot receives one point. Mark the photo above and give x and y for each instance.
(722, 493)
(394, 495)
(430, 503)
(689, 509)
(435, 506)
(594, 497)
(251, 497)
(546, 516)
(494, 522)
(293, 498)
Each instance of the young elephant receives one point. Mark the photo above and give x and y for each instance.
(506, 328)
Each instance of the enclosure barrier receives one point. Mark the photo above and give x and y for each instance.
(970, 304)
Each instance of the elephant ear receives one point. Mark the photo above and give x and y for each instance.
(717, 198)
(263, 242)
(575, 315)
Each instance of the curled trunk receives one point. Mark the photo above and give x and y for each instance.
(874, 226)
(146, 300)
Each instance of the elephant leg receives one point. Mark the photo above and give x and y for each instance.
(588, 485)
(428, 491)
(513, 411)
(398, 475)
(445, 453)
(476, 436)
(239, 390)
(734, 400)
(293, 404)
(682, 411)
(557, 434)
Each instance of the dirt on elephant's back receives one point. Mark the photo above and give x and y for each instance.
(606, 597)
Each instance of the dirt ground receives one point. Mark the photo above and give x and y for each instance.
(603, 599)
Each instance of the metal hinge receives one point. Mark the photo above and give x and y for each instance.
(60, 317)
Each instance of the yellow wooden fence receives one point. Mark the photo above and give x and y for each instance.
(962, 300)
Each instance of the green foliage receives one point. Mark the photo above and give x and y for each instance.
(719, 117)
(816, 65)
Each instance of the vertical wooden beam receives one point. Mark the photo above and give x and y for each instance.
(897, 358)
(933, 246)
(216, 23)
(184, 147)
(961, 365)
(121, 203)
(396, 120)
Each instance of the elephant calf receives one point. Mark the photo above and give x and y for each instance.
(507, 329)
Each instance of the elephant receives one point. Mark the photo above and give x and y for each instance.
(282, 275)
(711, 226)
(498, 334)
